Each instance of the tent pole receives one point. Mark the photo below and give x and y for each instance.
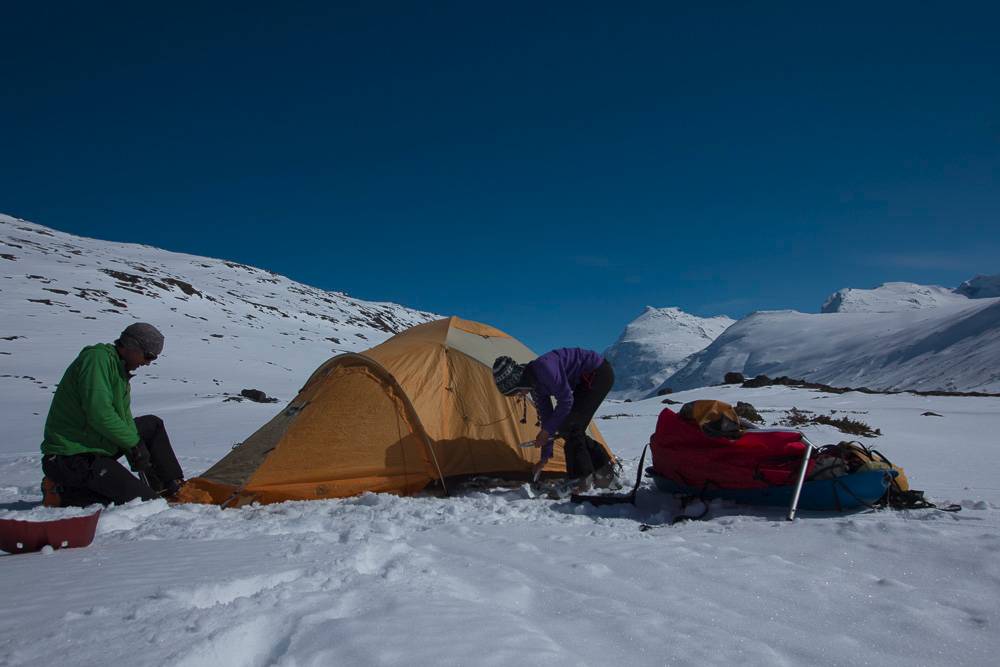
(436, 465)
(802, 477)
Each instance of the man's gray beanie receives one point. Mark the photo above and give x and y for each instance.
(142, 336)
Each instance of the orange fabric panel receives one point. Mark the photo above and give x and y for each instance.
(594, 433)
(419, 368)
(354, 428)
(482, 427)
(201, 490)
(475, 429)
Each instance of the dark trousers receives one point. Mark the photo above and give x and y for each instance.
(85, 479)
(584, 455)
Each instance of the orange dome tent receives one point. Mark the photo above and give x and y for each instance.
(420, 407)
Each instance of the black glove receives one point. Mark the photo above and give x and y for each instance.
(138, 457)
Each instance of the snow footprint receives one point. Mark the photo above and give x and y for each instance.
(595, 570)
(527, 547)
(380, 559)
(91, 612)
(259, 641)
(211, 595)
(889, 582)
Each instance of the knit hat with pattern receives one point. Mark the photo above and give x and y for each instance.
(507, 374)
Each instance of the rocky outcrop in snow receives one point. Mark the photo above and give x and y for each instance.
(980, 287)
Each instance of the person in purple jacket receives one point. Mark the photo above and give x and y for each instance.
(578, 380)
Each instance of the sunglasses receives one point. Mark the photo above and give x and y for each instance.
(148, 356)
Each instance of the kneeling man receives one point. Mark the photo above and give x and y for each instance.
(90, 425)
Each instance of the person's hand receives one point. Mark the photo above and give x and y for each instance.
(541, 439)
(138, 457)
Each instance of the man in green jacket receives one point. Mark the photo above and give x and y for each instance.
(90, 425)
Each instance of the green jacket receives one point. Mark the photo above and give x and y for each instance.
(90, 412)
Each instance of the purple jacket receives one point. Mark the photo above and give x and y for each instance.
(557, 373)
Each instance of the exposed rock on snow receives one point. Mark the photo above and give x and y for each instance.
(733, 378)
(980, 287)
(655, 345)
(257, 395)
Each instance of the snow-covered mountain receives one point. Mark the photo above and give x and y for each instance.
(228, 326)
(655, 345)
(890, 297)
(954, 346)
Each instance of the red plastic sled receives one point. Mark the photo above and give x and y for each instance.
(757, 460)
(18, 536)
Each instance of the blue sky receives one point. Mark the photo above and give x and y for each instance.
(549, 168)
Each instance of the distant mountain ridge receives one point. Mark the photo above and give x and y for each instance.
(896, 336)
(656, 344)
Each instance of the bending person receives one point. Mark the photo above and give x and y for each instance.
(578, 380)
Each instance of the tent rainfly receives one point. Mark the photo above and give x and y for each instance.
(419, 408)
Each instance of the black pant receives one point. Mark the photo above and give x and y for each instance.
(90, 478)
(584, 455)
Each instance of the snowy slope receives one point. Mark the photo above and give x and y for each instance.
(890, 297)
(954, 346)
(496, 577)
(655, 345)
(228, 327)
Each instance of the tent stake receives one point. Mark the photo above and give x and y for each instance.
(801, 479)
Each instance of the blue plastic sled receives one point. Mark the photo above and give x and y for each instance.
(860, 489)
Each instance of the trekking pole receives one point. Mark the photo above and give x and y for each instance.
(802, 477)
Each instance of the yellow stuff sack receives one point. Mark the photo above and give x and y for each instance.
(860, 458)
(715, 418)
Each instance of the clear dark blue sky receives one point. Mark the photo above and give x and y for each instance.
(549, 168)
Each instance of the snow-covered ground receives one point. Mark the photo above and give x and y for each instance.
(499, 577)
